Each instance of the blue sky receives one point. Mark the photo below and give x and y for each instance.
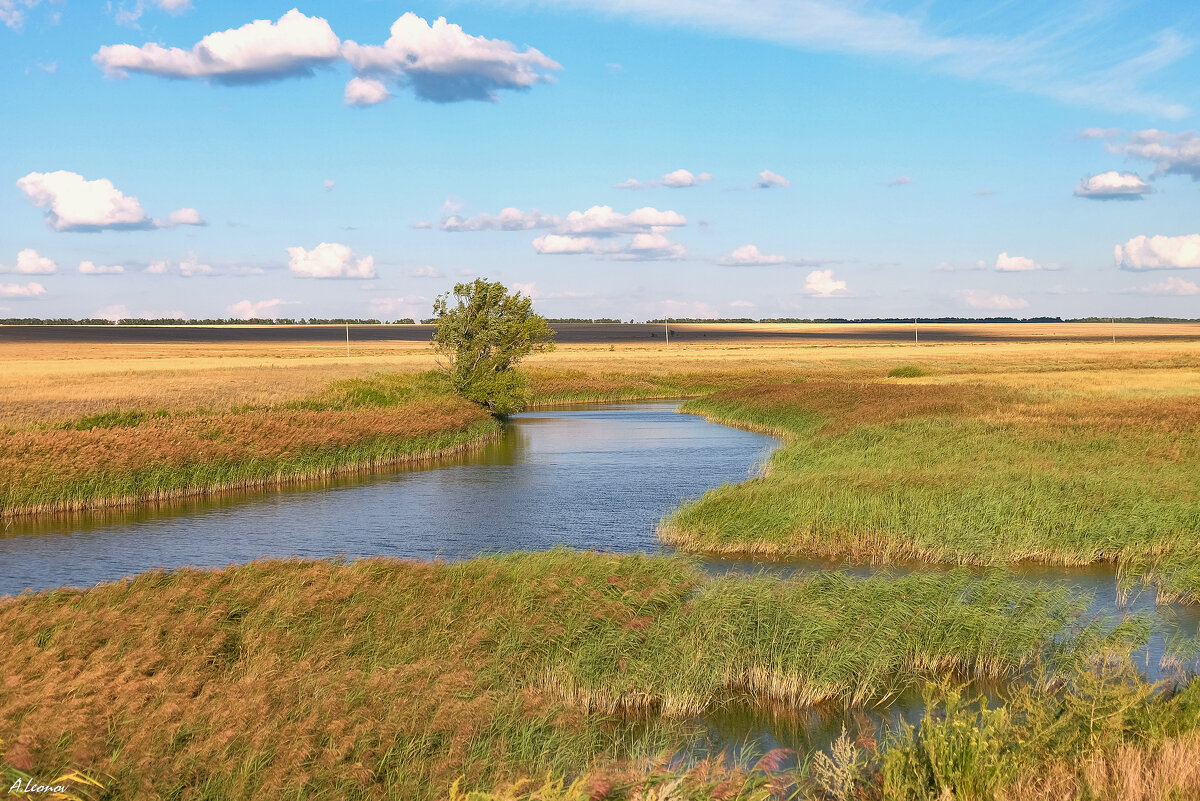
(627, 159)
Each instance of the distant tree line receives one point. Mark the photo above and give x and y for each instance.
(225, 321)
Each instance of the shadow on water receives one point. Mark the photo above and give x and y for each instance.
(593, 477)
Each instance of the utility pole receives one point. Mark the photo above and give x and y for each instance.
(666, 331)
(1112, 321)
(347, 340)
(916, 336)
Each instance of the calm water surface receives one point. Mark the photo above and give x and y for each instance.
(597, 477)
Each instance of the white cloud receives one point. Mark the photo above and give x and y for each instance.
(12, 12)
(77, 204)
(426, 272)
(1171, 153)
(768, 179)
(651, 247)
(130, 14)
(191, 266)
(1112, 185)
(258, 51)
(677, 179)
(900, 180)
(158, 267)
(30, 262)
(508, 219)
(443, 64)
(741, 304)
(181, 217)
(979, 299)
(406, 306)
(749, 255)
(422, 225)
(952, 266)
(560, 245)
(261, 309)
(822, 284)
(114, 313)
(1015, 264)
(1171, 286)
(328, 184)
(30, 290)
(1159, 252)
(597, 220)
(365, 92)
(329, 260)
(90, 268)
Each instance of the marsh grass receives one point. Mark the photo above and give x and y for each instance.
(961, 474)
(125, 457)
(387, 679)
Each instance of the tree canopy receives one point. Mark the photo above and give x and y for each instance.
(484, 332)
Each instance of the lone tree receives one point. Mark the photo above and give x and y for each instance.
(483, 337)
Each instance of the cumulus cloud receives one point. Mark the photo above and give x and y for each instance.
(1159, 252)
(900, 180)
(74, 203)
(749, 255)
(561, 245)
(444, 64)
(256, 52)
(677, 179)
(330, 260)
(158, 267)
(1112, 185)
(1171, 286)
(22, 291)
(1171, 153)
(640, 247)
(980, 299)
(651, 247)
(768, 179)
(822, 284)
(1015, 264)
(90, 268)
(365, 92)
(30, 262)
(261, 309)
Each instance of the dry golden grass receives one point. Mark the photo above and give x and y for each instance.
(1166, 771)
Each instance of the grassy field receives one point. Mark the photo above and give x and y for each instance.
(381, 678)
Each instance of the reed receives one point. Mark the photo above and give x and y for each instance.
(883, 472)
(386, 679)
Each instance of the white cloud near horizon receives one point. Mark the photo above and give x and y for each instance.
(22, 291)
(262, 309)
(30, 262)
(329, 260)
(91, 268)
(822, 284)
(1159, 253)
(74, 203)
(595, 221)
(981, 299)
(1112, 185)
(1053, 55)
(1172, 286)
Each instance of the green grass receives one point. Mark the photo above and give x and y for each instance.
(385, 679)
(956, 488)
(908, 371)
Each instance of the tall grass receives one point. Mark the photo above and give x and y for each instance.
(386, 679)
(961, 475)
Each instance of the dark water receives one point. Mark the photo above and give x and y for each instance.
(597, 478)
